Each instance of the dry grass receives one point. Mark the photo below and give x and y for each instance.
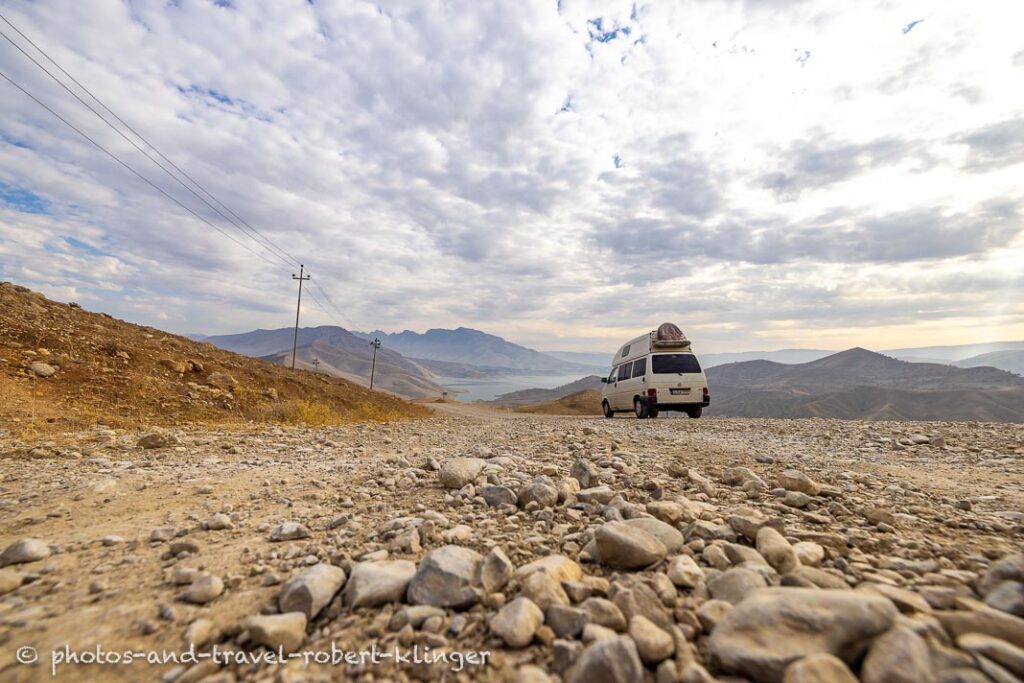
(299, 412)
(581, 403)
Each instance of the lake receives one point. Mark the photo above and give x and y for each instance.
(490, 388)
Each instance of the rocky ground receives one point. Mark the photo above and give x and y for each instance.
(572, 549)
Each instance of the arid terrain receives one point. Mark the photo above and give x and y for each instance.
(569, 548)
(63, 368)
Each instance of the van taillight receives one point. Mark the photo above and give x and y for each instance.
(652, 394)
(707, 394)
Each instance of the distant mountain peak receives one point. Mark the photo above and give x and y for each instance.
(858, 352)
(857, 356)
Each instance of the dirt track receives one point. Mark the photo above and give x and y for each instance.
(362, 488)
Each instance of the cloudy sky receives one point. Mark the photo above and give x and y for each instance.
(765, 173)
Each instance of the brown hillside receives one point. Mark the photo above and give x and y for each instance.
(118, 373)
(586, 402)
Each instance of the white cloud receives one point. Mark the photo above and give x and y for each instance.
(761, 172)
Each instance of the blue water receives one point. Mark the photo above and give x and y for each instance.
(490, 388)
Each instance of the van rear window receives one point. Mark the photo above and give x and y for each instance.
(668, 363)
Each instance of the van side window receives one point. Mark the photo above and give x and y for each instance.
(625, 350)
(640, 368)
(612, 375)
(624, 371)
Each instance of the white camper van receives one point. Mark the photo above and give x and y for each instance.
(654, 372)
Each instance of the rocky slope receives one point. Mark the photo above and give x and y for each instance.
(63, 368)
(582, 550)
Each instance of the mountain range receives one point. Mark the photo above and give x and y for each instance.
(468, 347)
(862, 384)
(340, 353)
(408, 363)
(1003, 355)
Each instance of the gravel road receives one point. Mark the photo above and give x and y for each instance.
(552, 548)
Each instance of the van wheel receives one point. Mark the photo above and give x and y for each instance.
(652, 412)
(607, 409)
(641, 409)
(694, 413)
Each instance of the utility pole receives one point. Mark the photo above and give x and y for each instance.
(316, 365)
(298, 307)
(373, 365)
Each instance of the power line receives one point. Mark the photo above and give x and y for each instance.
(348, 321)
(323, 308)
(260, 239)
(174, 199)
(266, 242)
(132, 170)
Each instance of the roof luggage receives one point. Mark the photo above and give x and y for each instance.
(668, 335)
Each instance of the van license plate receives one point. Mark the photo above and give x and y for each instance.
(679, 392)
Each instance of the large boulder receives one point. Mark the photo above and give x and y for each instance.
(634, 596)
(795, 480)
(499, 495)
(289, 531)
(559, 566)
(583, 472)
(517, 622)
(684, 571)
(735, 584)
(1009, 568)
(204, 588)
(494, 571)
(285, 631)
(156, 440)
(378, 583)
(819, 668)
(776, 550)
(24, 550)
(670, 537)
(652, 642)
(312, 590)
(988, 622)
(622, 546)
(458, 472)
(445, 578)
(774, 627)
(42, 369)
(612, 660)
(541, 490)
(898, 656)
(596, 495)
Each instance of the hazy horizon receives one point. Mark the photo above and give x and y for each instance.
(563, 174)
(611, 350)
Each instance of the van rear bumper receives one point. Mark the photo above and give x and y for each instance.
(675, 405)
